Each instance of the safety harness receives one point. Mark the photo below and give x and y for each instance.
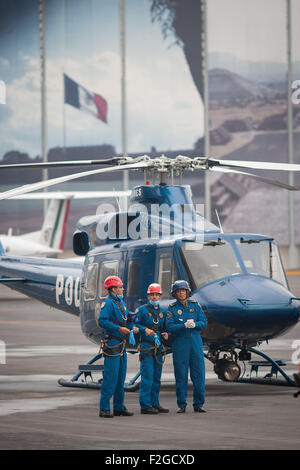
(154, 349)
(117, 349)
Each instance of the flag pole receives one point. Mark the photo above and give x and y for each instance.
(204, 58)
(63, 77)
(293, 257)
(123, 90)
(44, 143)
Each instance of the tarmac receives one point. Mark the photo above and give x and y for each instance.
(38, 345)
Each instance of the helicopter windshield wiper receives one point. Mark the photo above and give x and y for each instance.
(255, 240)
(214, 242)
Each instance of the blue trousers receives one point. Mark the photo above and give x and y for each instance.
(113, 382)
(150, 382)
(188, 357)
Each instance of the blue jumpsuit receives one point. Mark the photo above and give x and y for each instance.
(112, 316)
(187, 350)
(151, 365)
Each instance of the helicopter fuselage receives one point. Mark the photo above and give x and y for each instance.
(243, 303)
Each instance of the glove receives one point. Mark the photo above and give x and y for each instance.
(189, 324)
(131, 338)
(156, 340)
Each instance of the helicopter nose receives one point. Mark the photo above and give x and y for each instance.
(252, 302)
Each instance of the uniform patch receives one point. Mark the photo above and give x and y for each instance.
(168, 314)
(161, 315)
(191, 310)
(179, 312)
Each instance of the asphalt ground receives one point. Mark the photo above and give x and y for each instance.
(39, 345)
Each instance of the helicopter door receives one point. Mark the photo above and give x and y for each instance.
(97, 270)
(166, 270)
(140, 273)
(111, 264)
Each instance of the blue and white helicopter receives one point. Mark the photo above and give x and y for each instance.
(238, 278)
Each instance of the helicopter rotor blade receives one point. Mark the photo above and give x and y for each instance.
(255, 165)
(62, 179)
(256, 177)
(109, 161)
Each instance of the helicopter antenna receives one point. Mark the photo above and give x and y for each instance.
(219, 221)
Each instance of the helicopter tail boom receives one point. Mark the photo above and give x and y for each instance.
(53, 282)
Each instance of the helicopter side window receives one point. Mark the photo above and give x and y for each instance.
(90, 284)
(133, 277)
(167, 274)
(108, 268)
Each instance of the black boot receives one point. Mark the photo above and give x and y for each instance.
(181, 410)
(160, 409)
(105, 414)
(149, 411)
(124, 412)
(197, 409)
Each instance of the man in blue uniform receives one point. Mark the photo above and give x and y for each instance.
(151, 324)
(113, 318)
(184, 320)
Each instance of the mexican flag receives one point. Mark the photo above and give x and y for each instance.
(81, 98)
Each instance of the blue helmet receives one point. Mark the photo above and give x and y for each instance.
(181, 284)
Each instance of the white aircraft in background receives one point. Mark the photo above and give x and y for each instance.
(49, 240)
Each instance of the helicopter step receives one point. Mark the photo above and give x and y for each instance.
(276, 366)
(255, 365)
(86, 370)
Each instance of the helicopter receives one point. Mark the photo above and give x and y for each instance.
(238, 278)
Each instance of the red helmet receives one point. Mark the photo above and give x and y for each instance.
(112, 281)
(154, 289)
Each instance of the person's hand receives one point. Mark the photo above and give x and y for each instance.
(124, 330)
(165, 336)
(136, 329)
(149, 332)
(190, 324)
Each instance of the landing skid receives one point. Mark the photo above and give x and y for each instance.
(86, 370)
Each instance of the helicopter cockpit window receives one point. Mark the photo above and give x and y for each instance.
(167, 274)
(208, 262)
(262, 258)
(108, 268)
(133, 278)
(90, 284)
